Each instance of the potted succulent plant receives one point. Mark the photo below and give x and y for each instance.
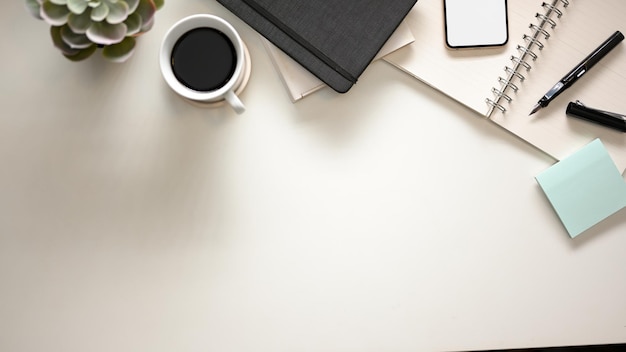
(79, 27)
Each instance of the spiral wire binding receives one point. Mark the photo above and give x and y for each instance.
(525, 52)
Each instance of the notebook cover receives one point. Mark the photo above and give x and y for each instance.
(299, 82)
(334, 40)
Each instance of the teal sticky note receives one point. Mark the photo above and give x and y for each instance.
(584, 188)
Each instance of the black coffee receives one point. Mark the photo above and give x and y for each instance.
(203, 59)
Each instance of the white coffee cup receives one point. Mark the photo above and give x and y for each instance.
(225, 92)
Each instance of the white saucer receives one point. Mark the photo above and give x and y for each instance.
(244, 82)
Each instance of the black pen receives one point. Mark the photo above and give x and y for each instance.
(605, 118)
(579, 70)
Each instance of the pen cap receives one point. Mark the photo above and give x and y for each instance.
(600, 117)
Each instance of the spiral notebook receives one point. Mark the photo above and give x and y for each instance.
(546, 40)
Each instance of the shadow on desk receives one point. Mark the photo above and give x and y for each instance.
(590, 348)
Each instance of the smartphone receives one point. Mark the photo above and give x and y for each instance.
(475, 23)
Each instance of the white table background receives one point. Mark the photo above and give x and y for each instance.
(389, 218)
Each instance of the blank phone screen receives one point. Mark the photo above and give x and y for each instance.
(475, 23)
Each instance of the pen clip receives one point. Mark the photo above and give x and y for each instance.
(602, 117)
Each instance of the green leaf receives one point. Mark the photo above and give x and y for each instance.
(133, 24)
(159, 3)
(80, 23)
(120, 52)
(77, 6)
(34, 8)
(132, 5)
(117, 12)
(99, 13)
(54, 14)
(74, 40)
(146, 10)
(57, 40)
(147, 26)
(82, 54)
(59, 2)
(105, 33)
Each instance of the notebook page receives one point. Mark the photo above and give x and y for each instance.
(466, 75)
(582, 28)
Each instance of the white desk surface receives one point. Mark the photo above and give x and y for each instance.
(386, 219)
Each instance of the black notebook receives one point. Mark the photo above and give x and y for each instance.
(334, 39)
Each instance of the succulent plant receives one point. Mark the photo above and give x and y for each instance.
(79, 27)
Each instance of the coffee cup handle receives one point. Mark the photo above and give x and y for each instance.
(235, 102)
